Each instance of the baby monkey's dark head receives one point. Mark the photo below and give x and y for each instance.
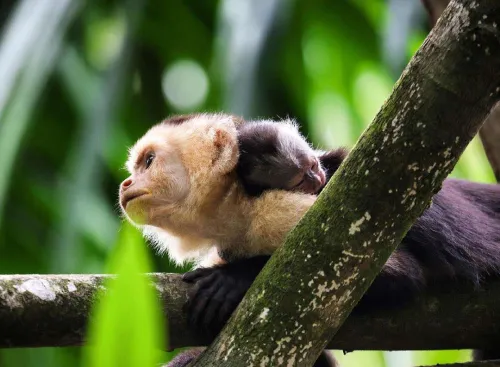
(274, 155)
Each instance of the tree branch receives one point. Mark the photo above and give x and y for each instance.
(490, 131)
(387, 181)
(52, 310)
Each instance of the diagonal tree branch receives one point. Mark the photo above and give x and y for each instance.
(388, 179)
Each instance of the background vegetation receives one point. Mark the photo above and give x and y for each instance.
(80, 81)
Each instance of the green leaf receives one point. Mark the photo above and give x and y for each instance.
(126, 328)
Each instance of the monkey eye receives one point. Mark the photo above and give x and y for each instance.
(299, 184)
(149, 159)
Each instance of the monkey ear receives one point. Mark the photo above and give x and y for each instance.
(226, 149)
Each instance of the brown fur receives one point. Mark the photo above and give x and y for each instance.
(192, 198)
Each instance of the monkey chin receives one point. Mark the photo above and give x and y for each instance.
(137, 210)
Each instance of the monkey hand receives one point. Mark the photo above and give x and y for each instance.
(218, 291)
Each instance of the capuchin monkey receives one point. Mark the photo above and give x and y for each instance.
(184, 193)
(276, 156)
(457, 239)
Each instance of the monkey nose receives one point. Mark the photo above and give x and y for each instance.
(127, 183)
(321, 178)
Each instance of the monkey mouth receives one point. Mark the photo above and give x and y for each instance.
(317, 180)
(129, 196)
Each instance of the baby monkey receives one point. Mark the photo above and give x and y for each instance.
(274, 155)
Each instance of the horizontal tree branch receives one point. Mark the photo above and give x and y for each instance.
(52, 310)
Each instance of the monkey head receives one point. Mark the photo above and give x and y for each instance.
(274, 155)
(178, 167)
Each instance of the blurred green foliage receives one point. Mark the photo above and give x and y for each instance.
(82, 80)
(126, 329)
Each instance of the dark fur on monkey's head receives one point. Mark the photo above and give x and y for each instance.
(274, 155)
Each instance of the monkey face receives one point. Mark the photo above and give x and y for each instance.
(157, 183)
(276, 156)
(311, 177)
(176, 167)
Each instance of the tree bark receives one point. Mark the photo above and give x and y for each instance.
(52, 310)
(490, 131)
(308, 288)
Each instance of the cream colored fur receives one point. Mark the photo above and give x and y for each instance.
(196, 204)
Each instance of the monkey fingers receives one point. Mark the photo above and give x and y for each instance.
(212, 322)
(193, 276)
(230, 304)
(200, 296)
(219, 290)
(213, 300)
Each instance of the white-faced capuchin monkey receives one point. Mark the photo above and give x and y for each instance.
(184, 185)
(184, 193)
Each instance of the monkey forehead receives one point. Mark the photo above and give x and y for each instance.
(172, 136)
(291, 143)
(156, 137)
(276, 125)
(206, 116)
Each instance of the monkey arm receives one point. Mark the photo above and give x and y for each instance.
(220, 289)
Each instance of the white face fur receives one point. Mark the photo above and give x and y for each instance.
(173, 169)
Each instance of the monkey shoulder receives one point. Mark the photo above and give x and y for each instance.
(274, 214)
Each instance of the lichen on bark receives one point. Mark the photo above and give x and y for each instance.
(53, 310)
(26, 320)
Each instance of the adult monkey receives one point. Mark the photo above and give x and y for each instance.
(457, 238)
(184, 192)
